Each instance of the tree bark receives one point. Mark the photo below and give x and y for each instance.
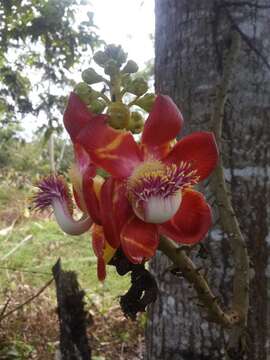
(72, 316)
(192, 37)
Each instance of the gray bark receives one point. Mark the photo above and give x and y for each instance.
(74, 344)
(191, 39)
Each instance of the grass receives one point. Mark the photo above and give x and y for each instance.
(40, 253)
(34, 329)
(45, 245)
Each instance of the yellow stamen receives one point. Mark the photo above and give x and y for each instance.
(154, 168)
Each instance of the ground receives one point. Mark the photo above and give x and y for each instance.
(29, 246)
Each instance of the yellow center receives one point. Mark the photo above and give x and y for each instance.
(155, 189)
(148, 169)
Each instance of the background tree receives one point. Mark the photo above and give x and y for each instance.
(192, 38)
(41, 38)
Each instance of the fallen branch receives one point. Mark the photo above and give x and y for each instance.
(8, 230)
(5, 307)
(12, 251)
(27, 301)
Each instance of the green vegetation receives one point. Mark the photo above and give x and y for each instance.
(37, 243)
(42, 243)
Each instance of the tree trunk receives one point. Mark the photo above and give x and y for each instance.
(74, 343)
(192, 37)
(51, 153)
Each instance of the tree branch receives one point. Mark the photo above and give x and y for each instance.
(193, 276)
(247, 40)
(240, 301)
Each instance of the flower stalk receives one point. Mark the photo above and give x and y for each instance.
(240, 300)
(194, 277)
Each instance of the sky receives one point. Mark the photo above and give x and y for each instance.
(129, 23)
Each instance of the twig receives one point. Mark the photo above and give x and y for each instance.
(240, 301)
(193, 276)
(27, 238)
(24, 270)
(5, 307)
(247, 40)
(105, 98)
(133, 102)
(28, 300)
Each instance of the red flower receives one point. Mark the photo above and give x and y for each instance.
(86, 188)
(150, 190)
(53, 192)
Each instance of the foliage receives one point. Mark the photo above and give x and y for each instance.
(45, 39)
(48, 242)
(29, 159)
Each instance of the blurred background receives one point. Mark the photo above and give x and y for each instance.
(44, 47)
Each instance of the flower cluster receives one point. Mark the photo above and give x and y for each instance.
(132, 192)
(150, 188)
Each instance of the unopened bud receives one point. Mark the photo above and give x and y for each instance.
(146, 102)
(119, 115)
(101, 58)
(137, 87)
(136, 122)
(116, 53)
(90, 76)
(84, 92)
(97, 106)
(130, 67)
(111, 68)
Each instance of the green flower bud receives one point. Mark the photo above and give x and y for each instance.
(84, 92)
(116, 53)
(101, 58)
(146, 102)
(90, 76)
(94, 94)
(97, 106)
(82, 88)
(137, 87)
(130, 67)
(125, 80)
(136, 122)
(111, 68)
(119, 115)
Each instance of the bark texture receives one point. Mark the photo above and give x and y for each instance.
(72, 316)
(192, 37)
